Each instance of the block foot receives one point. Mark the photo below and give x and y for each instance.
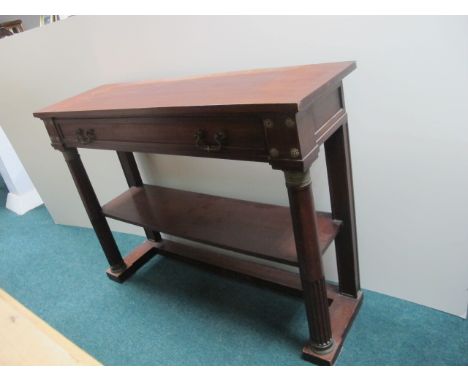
(134, 261)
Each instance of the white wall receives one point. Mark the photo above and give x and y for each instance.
(406, 105)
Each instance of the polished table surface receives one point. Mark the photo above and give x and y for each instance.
(280, 89)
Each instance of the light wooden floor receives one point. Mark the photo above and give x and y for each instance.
(27, 340)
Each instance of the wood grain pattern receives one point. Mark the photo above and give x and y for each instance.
(27, 340)
(262, 230)
(278, 89)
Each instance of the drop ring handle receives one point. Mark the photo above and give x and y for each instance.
(219, 137)
(85, 137)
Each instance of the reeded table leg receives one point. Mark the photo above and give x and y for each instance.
(310, 261)
(93, 208)
(342, 201)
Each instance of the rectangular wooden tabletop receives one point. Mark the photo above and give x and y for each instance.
(262, 90)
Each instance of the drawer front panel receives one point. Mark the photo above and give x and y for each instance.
(207, 136)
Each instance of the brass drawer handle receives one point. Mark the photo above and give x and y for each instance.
(220, 138)
(85, 137)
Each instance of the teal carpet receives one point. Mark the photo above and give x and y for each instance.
(171, 313)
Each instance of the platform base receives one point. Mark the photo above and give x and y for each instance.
(342, 308)
(134, 261)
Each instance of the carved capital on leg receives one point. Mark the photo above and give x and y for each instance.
(297, 179)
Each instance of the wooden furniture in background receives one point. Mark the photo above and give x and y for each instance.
(14, 26)
(280, 116)
(5, 32)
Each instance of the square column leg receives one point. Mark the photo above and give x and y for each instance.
(310, 261)
(93, 208)
(340, 182)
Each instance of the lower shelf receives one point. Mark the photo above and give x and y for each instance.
(261, 230)
(342, 308)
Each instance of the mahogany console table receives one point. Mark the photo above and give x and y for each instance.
(280, 116)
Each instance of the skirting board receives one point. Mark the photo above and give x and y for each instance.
(22, 203)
